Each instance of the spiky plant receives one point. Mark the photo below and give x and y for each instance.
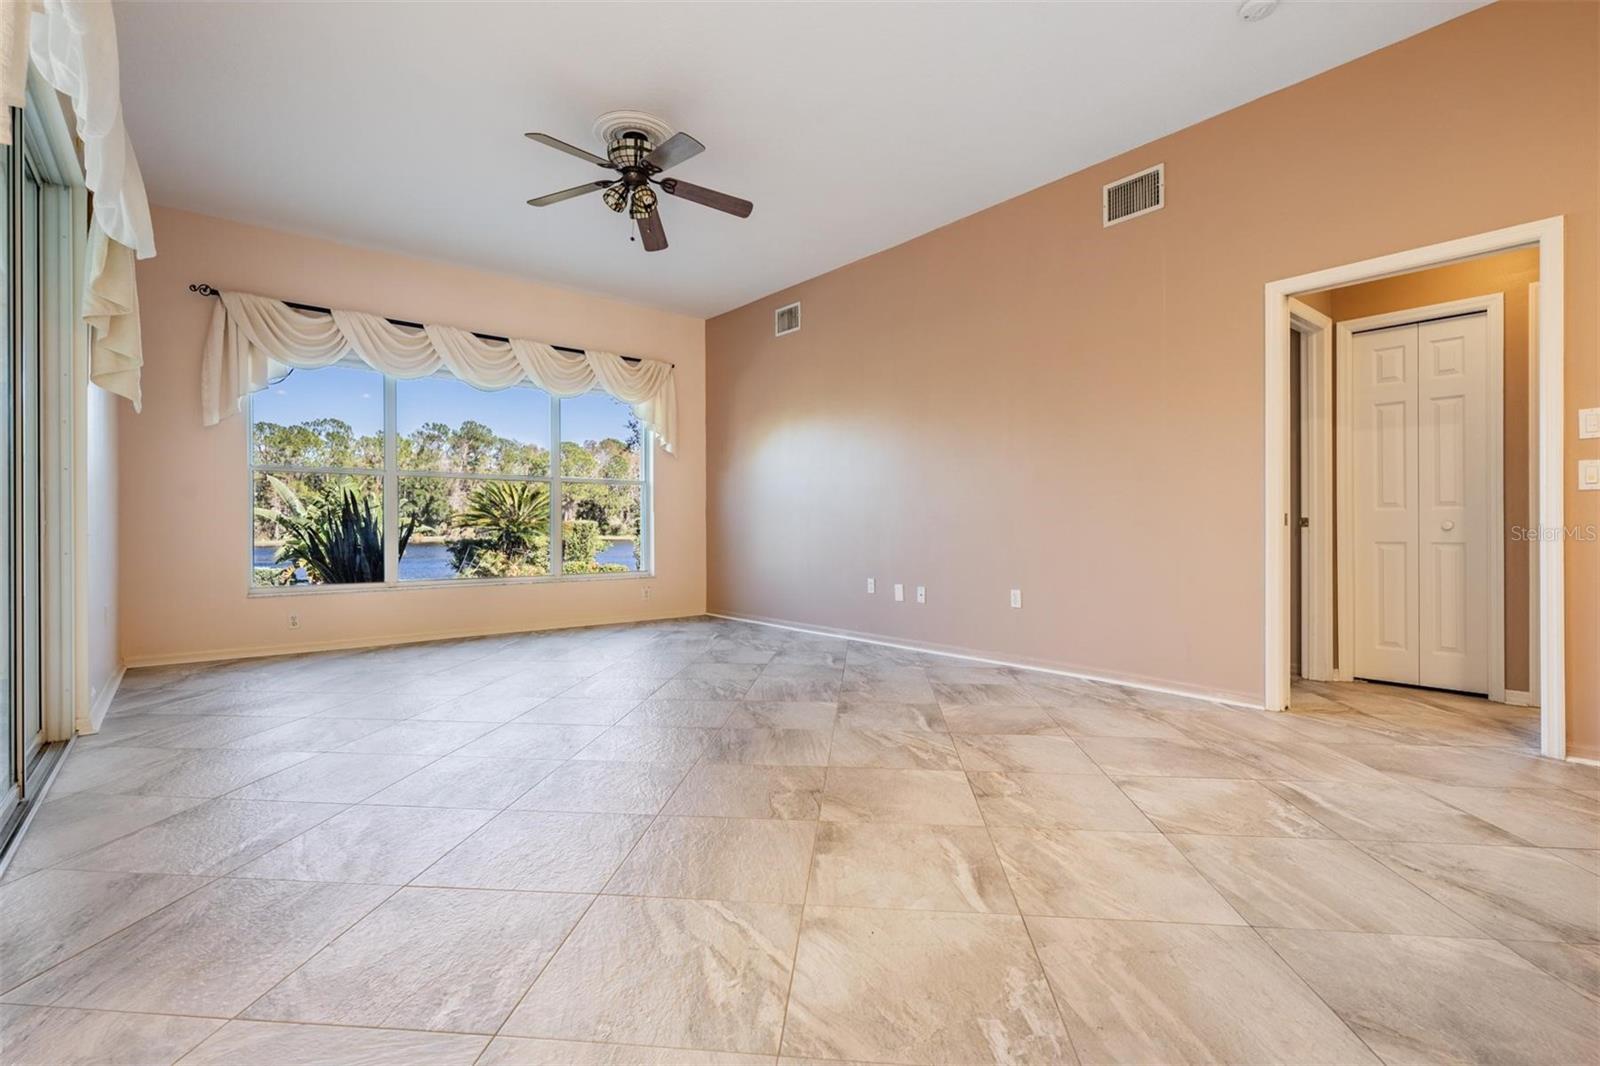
(510, 519)
(339, 542)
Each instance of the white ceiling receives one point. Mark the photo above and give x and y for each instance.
(853, 126)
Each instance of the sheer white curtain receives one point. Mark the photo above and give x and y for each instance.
(250, 333)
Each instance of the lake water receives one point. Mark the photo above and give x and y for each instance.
(426, 562)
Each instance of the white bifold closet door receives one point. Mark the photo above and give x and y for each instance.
(1422, 504)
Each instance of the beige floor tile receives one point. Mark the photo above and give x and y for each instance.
(1512, 893)
(1221, 807)
(368, 845)
(749, 714)
(921, 717)
(573, 710)
(72, 825)
(893, 749)
(467, 781)
(796, 684)
(982, 693)
(613, 688)
(704, 688)
(655, 744)
(1543, 817)
(1071, 801)
(288, 1044)
(922, 797)
(688, 714)
(1159, 757)
(523, 1051)
(218, 836)
(333, 777)
(1576, 964)
(186, 731)
(719, 858)
(110, 770)
(920, 987)
(908, 867)
(769, 747)
(211, 953)
(1153, 992)
(1472, 767)
(886, 686)
(475, 707)
(1428, 999)
(1093, 719)
(1359, 811)
(530, 740)
(604, 788)
(51, 915)
(729, 791)
(1041, 754)
(1317, 884)
(420, 738)
(1000, 718)
(667, 972)
(1081, 874)
(439, 959)
(544, 851)
(62, 1037)
(311, 734)
(1586, 859)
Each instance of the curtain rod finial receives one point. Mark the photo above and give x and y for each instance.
(204, 290)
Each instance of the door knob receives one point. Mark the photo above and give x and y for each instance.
(1447, 526)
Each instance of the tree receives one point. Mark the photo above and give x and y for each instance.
(338, 540)
(507, 525)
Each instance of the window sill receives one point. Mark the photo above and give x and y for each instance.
(274, 591)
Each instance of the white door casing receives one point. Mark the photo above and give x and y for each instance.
(1422, 495)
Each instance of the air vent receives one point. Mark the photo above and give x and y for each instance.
(1133, 196)
(786, 320)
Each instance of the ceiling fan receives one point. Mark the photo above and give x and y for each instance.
(638, 148)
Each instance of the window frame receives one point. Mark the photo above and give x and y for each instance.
(390, 475)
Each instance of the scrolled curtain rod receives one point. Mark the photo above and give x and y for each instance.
(203, 289)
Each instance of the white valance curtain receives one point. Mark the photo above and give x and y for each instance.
(249, 333)
(73, 46)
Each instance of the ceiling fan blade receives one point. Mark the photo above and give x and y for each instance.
(654, 237)
(567, 194)
(563, 146)
(708, 197)
(674, 150)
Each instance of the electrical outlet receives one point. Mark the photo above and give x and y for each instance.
(1588, 475)
(294, 621)
(1016, 598)
(922, 594)
(899, 593)
(646, 591)
(872, 586)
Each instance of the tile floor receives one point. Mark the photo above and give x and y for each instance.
(708, 842)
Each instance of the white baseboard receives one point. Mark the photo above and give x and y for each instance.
(215, 655)
(1519, 699)
(102, 703)
(1229, 699)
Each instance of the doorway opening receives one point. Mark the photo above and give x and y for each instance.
(1413, 453)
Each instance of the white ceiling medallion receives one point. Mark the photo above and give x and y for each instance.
(1256, 10)
(614, 123)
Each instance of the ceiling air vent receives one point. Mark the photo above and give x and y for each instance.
(1133, 196)
(786, 320)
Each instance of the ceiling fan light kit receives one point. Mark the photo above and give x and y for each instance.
(638, 148)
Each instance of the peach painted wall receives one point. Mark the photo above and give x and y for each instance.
(1510, 274)
(1025, 399)
(184, 501)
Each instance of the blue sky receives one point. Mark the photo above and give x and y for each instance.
(357, 397)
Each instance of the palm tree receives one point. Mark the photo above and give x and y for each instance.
(508, 518)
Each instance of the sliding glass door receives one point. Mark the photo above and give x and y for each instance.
(22, 201)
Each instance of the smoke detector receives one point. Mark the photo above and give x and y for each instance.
(1256, 10)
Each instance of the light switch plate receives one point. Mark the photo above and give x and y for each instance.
(922, 594)
(872, 585)
(1589, 475)
(1016, 598)
(899, 593)
(1589, 423)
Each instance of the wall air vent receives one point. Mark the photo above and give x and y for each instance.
(786, 320)
(1136, 195)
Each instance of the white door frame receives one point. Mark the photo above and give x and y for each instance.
(1548, 235)
(1533, 497)
(1316, 490)
(1492, 304)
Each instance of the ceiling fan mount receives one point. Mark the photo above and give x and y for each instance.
(638, 148)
